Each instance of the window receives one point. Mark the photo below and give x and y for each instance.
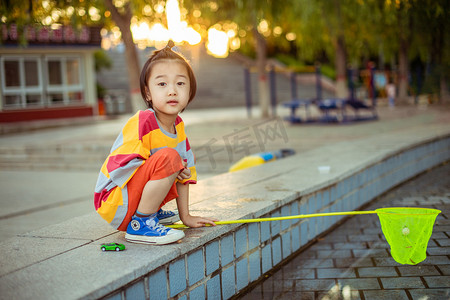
(33, 81)
(21, 83)
(12, 73)
(13, 101)
(64, 80)
(31, 73)
(72, 71)
(54, 72)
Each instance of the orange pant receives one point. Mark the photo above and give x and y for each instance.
(159, 165)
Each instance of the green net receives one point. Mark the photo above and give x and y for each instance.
(407, 230)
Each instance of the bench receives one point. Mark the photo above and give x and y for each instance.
(358, 105)
(294, 105)
(328, 105)
(325, 106)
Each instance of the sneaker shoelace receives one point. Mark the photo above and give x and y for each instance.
(153, 224)
(165, 213)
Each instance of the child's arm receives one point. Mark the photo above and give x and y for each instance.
(183, 209)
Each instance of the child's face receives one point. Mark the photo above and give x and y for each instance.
(169, 87)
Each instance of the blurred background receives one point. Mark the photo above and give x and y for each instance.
(82, 58)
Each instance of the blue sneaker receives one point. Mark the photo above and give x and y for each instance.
(149, 231)
(167, 217)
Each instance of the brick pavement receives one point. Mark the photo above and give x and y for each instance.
(353, 261)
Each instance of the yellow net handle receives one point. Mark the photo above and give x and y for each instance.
(281, 218)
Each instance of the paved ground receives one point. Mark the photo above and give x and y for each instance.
(353, 261)
(48, 175)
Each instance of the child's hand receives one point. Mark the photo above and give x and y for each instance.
(195, 221)
(185, 173)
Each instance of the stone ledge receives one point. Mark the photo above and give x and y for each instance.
(65, 261)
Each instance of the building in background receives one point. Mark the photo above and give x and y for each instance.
(50, 75)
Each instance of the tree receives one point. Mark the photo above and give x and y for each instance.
(335, 24)
(432, 39)
(248, 15)
(343, 31)
(44, 13)
(398, 21)
(414, 29)
(122, 18)
(349, 31)
(333, 30)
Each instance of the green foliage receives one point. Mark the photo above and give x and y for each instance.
(294, 64)
(290, 61)
(101, 90)
(38, 13)
(73, 12)
(102, 60)
(300, 67)
(369, 28)
(328, 71)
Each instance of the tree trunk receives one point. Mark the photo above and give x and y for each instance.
(444, 94)
(341, 54)
(437, 54)
(134, 70)
(341, 69)
(403, 73)
(263, 84)
(123, 21)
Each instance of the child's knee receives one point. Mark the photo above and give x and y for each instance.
(168, 154)
(167, 159)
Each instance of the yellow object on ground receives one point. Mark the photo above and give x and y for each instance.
(247, 162)
(260, 158)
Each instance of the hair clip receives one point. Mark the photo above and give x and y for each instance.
(170, 45)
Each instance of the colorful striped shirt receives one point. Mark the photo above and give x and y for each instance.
(139, 139)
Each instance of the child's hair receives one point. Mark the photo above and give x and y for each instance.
(165, 53)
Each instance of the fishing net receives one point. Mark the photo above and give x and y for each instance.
(407, 230)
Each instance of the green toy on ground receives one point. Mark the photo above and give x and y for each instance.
(112, 247)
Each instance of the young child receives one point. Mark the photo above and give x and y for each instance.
(390, 91)
(151, 161)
